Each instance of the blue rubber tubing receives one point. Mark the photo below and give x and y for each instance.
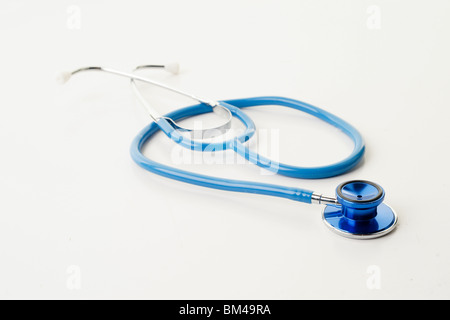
(237, 144)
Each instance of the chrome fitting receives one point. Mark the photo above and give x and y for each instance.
(317, 198)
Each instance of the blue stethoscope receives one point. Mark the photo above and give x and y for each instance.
(357, 210)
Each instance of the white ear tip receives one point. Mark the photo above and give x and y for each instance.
(172, 67)
(63, 77)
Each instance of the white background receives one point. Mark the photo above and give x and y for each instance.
(79, 219)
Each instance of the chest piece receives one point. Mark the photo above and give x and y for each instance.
(360, 213)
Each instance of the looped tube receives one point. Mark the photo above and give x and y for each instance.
(237, 144)
(302, 172)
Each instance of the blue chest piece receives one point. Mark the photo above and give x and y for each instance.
(361, 213)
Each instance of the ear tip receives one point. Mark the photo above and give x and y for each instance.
(63, 77)
(172, 67)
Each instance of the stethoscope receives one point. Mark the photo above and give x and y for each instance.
(356, 212)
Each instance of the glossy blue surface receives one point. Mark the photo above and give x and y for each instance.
(359, 198)
(361, 211)
(359, 191)
(336, 219)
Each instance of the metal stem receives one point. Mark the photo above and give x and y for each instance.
(153, 82)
